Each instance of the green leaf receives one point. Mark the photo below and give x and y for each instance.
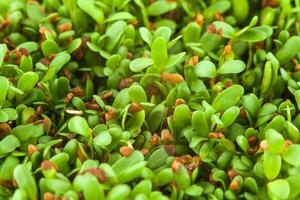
(8, 144)
(232, 67)
(277, 124)
(19, 194)
(181, 117)
(251, 185)
(243, 143)
(199, 123)
(56, 65)
(33, 131)
(88, 185)
(26, 181)
(137, 93)
(30, 46)
(182, 178)
(164, 32)
(267, 77)
(205, 69)
(288, 50)
(240, 10)
(59, 186)
(7, 167)
(297, 98)
(227, 30)
(11, 113)
(119, 192)
(80, 126)
(294, 184)
(102, 139)
(220, 6)
(271, 164)
(268, 30)
(60, 160)
(160, 7)
(92, 189)
(227, 98)
(155, 118)
(3, 117)
(132, 172)
(175, 59)
(99, 101)
(4, 86)
(279, 189)
(113, 61)
(26, 63)
(292, 131)
(275, 141)
(49, 47)
(27, 81)
(268, 108)
(139, 64)
(34, 11)
(127, 162)
(145, 187)
(159, 51)
(3, 49)
(251, 103)
(59, 61)
(89, 7)
(146, 35)
(291, 155)
(74, 45)
(194, 190)
(71, 5)
(93, 47)
(191, 33)
(157, 158)
(229, 145)
(230, 115)
(114, 34)
(135, 122)
(253, 35)
(122, 99)
(119, 16)
(164, 176)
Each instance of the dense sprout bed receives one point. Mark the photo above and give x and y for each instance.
(149, 99)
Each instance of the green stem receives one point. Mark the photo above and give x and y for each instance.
(250, 55)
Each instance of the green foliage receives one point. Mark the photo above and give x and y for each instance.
(149, 100)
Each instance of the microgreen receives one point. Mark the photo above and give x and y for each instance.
(142, 99)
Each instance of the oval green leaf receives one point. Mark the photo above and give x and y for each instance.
(279, 189)
(275, 141)
(160, 7)
(232, 67)
(227, 98)
(79, 125)
(27, 81)
(26, 181)
(139, 64)
(159, 51)
(89, 7)
(227, 30)
(205, 69)
(253, 35)
(3, 49)
(102, 139)
(271, 164)
(4, 86)
(291, 155)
